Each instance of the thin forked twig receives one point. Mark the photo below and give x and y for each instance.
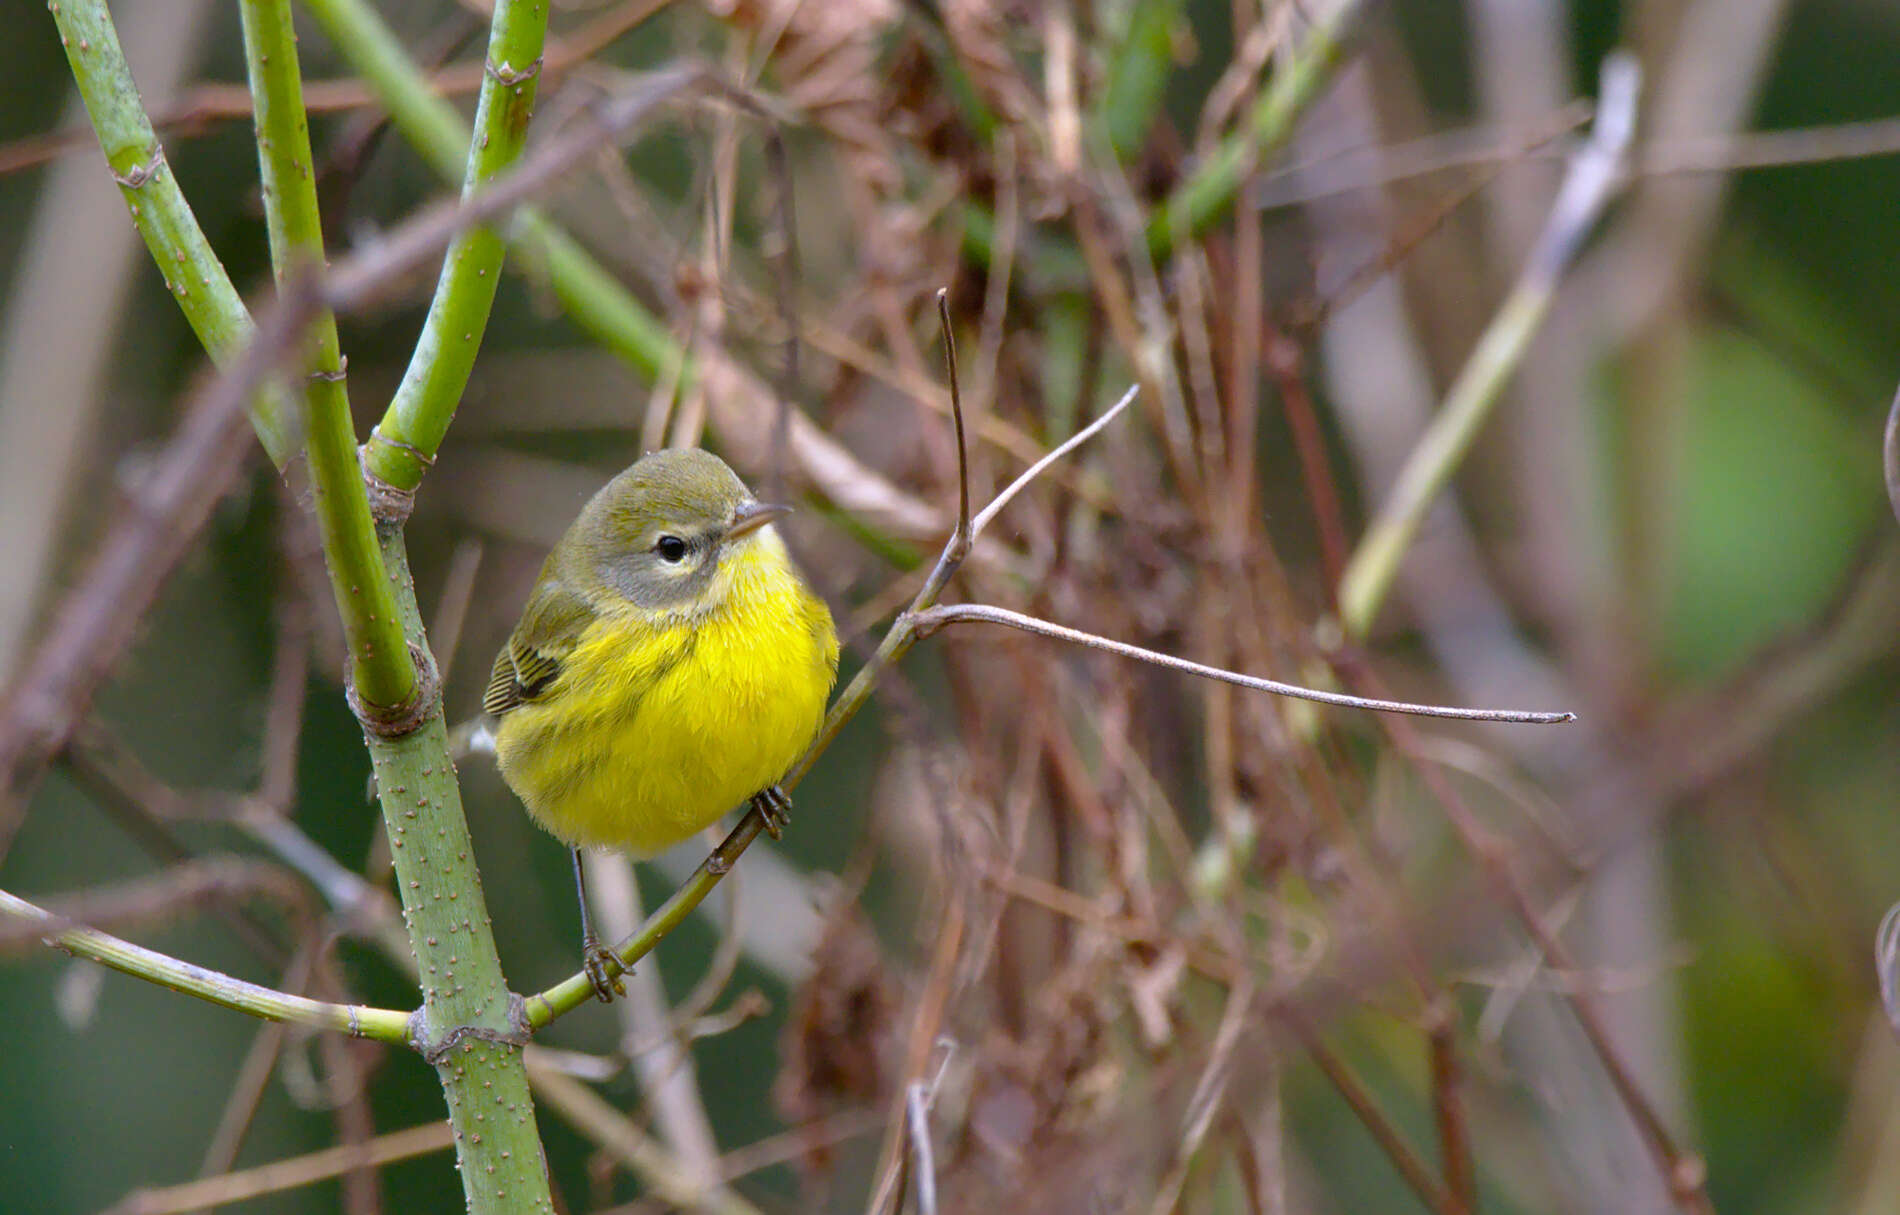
(1035, 470)
(932, 619)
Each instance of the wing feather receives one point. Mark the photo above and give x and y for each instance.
(530, 662)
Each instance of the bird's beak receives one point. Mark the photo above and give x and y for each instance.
(751, 516)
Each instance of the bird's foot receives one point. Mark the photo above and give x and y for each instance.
(775, 808)
(602, 969)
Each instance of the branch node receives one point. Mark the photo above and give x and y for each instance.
(405, 719)
(1688, 1179)
(921, 623)
(506, 75)
(518, 1020)
(437, 1053)
(138, 175)
(390, 505)
(341, 373)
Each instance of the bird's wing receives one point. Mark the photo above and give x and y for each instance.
(551, 623)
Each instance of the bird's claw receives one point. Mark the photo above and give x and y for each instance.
(776, 809)
(602, 969)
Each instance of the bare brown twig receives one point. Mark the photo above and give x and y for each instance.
(100, 616)
(1683, 1172)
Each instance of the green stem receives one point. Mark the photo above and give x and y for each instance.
(466, 1020)
(1137, 75)
(467, 1027)
(381, 670)
(596, 300)
(405, 441)
(1375, 562)
(1205, 198)
(193, 274)
(464, 1027)
(1594, 176)
(362, 1021)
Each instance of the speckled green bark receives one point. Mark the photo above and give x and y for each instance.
(380, 668)
(405, 441)
(193, 274)
(467, 1026)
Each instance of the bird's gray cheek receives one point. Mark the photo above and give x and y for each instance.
(701, 578)
(646, 583)
(632, 579)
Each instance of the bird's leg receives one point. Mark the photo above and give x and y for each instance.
(775, 808)
(598, 963)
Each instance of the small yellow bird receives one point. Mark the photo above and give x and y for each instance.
(670, 664)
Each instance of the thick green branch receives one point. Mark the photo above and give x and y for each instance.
(382, 1024)
(405, 441)
(381, 670)
(468, 1025)
(465, 1026)
(193, 274)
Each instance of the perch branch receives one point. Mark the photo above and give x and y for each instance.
(357, 1020)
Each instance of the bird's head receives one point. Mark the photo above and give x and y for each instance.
(660, 532)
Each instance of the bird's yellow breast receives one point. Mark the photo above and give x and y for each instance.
(660, 722)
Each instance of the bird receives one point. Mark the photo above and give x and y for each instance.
(669, 665)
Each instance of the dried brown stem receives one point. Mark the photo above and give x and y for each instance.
(159, 899)
(290, 1174)
(1683, 1172)
(1410, 1167)
(1448, 1111)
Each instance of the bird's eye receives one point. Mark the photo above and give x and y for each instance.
(670, 548)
